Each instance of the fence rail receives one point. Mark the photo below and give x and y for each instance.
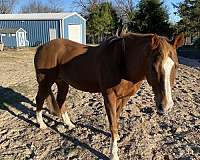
(189, 52)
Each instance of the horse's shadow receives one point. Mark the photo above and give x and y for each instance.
(11, 100)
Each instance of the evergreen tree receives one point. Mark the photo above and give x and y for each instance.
(189, 12)
(102, 21)
(151, 17)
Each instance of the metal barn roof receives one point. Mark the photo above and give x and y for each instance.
(38, 16)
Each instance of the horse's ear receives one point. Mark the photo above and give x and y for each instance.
(155, 41)
(178, 41)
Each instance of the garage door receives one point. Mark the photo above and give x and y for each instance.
(74, 32)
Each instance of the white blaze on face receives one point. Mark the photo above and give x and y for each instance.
(167, 72)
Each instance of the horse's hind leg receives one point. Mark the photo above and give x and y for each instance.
(43, 92)
(61, 96)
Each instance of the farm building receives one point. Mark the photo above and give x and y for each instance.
(43, 27)
(13, 37)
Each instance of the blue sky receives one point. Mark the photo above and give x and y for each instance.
(69, 6)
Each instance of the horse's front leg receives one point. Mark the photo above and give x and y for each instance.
(110, 101)
(121, 102)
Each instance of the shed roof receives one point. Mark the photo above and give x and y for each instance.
(10, 30)
(38, 16)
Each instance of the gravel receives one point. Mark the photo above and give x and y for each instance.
(143, 133)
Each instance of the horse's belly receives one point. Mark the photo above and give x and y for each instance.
(82, 82)
(81, 74)
(92, 88)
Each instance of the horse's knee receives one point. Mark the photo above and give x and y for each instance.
(39, 103)
(41, 96)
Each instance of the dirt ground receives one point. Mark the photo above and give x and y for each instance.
(144, 135)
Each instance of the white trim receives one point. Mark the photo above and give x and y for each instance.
(74, 13)
(63, 28)
(61, 31)
(79, 16)
(17, 39)
(19, 30)
(81, 33)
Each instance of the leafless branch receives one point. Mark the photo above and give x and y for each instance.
(6, 6)
(85, 6)
(125, 6)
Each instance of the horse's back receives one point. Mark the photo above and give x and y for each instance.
(57, 52)
(54, 53)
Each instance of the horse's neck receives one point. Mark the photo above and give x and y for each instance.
(136, 63)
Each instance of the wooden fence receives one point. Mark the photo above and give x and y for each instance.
(189, 52)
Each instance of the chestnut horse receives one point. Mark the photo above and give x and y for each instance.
(115, 68)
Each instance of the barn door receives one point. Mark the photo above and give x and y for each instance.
(52, 33)
(21, 39)
(74, 32)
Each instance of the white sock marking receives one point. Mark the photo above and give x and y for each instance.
(167, 70)
(67, 121)
(114, 149)
(40, 120)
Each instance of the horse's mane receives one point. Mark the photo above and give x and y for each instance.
(109, 41)
(130, 35)
(133, 35)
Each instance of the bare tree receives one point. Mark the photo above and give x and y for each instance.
(56, 5)
(85, 6)
(7, 6)
(126, 8)
(36, 6)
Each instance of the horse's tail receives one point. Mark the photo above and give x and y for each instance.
(37, 56)
(40, 75)
(53, 105)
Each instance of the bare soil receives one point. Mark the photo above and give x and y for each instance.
(144, 135)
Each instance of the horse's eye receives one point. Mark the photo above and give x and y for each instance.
(156, 56)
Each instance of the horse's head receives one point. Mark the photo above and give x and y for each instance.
(162, 67)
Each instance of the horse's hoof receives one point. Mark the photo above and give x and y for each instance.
(114, 157)
(72, 126)
(43, 126)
